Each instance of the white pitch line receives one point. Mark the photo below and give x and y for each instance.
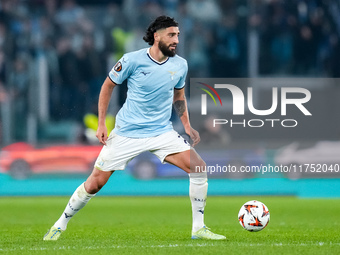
(163, 246)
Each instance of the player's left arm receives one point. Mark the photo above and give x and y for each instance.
(180, 105)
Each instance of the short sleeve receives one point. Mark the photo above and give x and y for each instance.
(181, 82)
(121, 70)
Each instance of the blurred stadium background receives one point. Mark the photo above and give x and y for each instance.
(54, 56)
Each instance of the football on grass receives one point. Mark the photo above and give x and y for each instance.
(254, 216)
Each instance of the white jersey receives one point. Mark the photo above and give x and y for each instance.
(148, 106)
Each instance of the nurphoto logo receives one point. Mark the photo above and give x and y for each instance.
(240, 101)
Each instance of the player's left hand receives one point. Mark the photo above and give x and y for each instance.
(195, 137)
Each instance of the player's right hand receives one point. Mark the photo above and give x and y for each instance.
(102, 134)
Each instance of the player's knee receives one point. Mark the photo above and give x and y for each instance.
(198, 166)
(202, 163)
(95, 182)
(92, 187)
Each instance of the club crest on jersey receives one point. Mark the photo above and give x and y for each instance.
(118, 67)
(172, 74)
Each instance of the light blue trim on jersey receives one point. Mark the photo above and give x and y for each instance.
(148, 106)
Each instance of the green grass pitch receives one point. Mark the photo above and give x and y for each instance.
(162, 225)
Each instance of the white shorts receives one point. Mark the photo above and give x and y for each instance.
(120, 150)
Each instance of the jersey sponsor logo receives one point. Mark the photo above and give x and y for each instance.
(118, 67)
(145, 73)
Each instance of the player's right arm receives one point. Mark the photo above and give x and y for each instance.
(103, 103)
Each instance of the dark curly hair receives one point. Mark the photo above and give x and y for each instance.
(159, 23)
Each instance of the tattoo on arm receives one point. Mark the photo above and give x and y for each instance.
(179, 106)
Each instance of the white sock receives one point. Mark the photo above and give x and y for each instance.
(198, 194)
(77, 201)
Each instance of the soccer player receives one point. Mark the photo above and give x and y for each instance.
(155, 79)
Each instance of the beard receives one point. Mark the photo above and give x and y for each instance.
(166, 49)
